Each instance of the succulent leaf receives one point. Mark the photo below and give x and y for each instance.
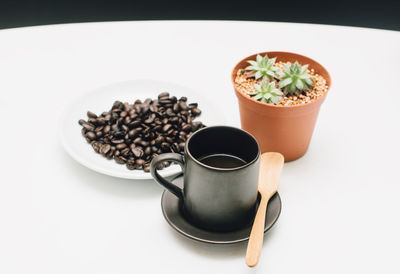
(263, 67)
(266, 92)
(295, 78)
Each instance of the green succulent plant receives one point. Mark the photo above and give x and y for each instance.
(266, 92)
(294, 78)
(263, 67)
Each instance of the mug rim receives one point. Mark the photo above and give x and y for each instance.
(187, 151)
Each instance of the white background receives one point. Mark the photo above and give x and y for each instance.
(340, 202)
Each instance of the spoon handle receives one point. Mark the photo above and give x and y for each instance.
(257, 234)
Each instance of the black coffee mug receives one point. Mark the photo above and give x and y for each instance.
(220, 167)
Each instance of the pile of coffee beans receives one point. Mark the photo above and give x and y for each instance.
(133, 134)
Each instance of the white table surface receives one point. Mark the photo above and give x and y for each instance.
(341, 202)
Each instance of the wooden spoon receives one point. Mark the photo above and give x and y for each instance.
(268, 180)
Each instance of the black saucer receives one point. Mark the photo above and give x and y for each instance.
(171, 209)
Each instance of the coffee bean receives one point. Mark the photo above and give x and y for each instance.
(117, 104)
(142, 130)
(121, 146)
(164, 101)
(145, 131)
(196, 112)
(92, 121)
(106, 129)
(140, 162)
(127, 120)
(145, 109)
(144, 143)
(166, 127)
(119, 135)
(150, 119)
(147, 150)
(170, 112)
(132, 133)
(119, 160)
(165, 146)
(137, 152)
(125, 128)
(153, 108)
(163, 95)
(117, 141)
(109, 155)
(174, 120)
(104, 149)
(134, 124)
(91, 135)
(101, 121)
(96, 146)
(88, 126)
(196, 125)
(175, 147)
(186, 127)
(146, 169)
(183, 105)
(115, 128)
(137, 140)
(157, 128)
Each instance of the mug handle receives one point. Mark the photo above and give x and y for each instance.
(173, 157)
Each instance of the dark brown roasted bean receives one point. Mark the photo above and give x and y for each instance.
(166, 127)
(91, 135)
(137, 152)
(121, 146)
(88, 126)
(133, 134)
(165, 146)
(119, 160)
(117, 141)
(196, 112)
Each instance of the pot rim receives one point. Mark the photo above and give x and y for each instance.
(273, 53)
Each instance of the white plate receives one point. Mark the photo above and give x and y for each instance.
(101, 99)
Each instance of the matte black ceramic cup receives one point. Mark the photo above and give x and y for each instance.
(214, 197)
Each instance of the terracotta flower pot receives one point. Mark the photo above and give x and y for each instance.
(284, 129)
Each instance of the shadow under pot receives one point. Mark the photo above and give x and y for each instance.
(280, 128)
(220, 167)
